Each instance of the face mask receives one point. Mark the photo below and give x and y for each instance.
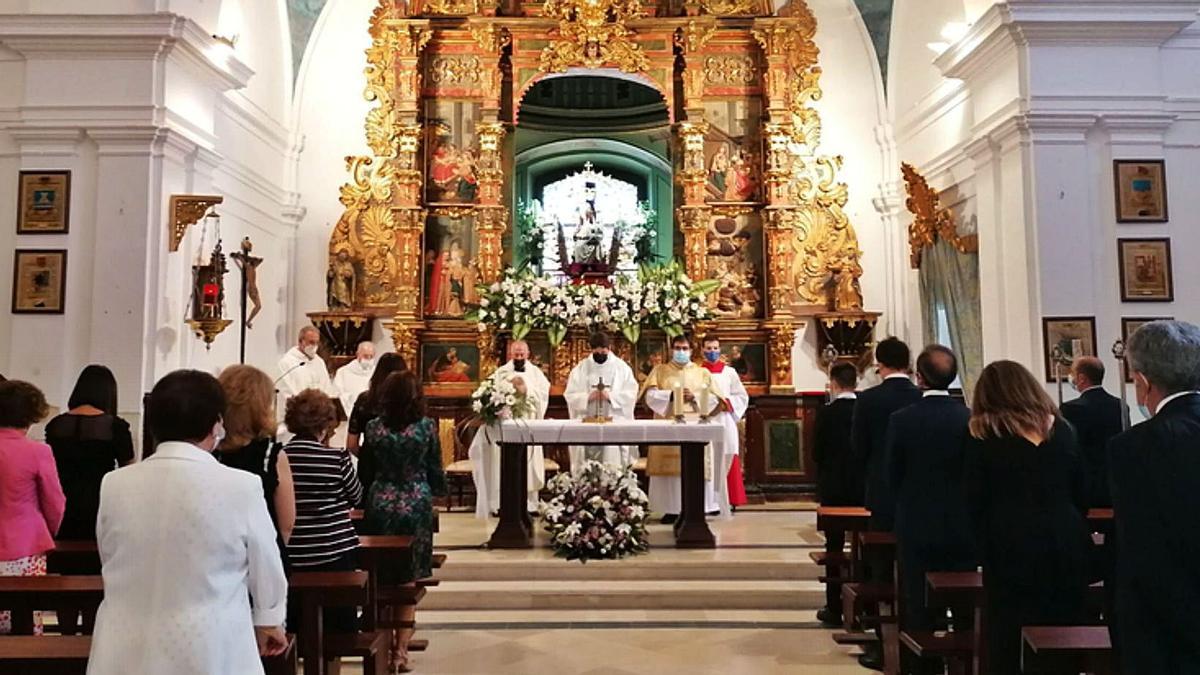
(366, 363)
(683, 356)
(310, 351)
(712, 357)
(1073, 384)
(519, 365)
(599, 358)
(218, 434)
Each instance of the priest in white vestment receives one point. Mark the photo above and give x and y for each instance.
(699, 394)
(732, 410)
(301, 368)
(484, 452)
(617, 400)
(352, 379)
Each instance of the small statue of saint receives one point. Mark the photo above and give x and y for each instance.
(847, 292)
(341, 281)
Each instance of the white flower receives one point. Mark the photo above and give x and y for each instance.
(477, 406)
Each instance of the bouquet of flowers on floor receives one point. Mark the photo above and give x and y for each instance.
(600, 514)
(497, 399)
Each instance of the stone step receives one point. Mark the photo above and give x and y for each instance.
(625, 594)
(646, 569)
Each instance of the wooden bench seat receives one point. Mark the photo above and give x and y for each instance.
(439, 559)
(68, 655)
(25, 595)
(858, 596)
(1053, 649)
(943, 645)
(372, 647)
(44, 655)
(826, 558)
(855, 638)
(418, 645)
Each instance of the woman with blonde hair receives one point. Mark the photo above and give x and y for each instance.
(1027, 493)
(249, 443)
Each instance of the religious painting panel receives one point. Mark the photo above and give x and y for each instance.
(749, 359)
(785, 446)
(735, 258)
(450, 363)
(1141, 190)
(651, 352)
(733, 150)
(1145, 270)
(1065, 339)
(43, 202)
(451, 269)
(453, 151)
(39, 281)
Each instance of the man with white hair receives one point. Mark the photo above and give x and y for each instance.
(1154, 474)
(484, 452)
(353, 378)
(302, 368)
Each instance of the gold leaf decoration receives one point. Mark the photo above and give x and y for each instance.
(593, 34)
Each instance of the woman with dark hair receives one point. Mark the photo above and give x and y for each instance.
(31, 500)
(408, 456)
(89, 441)
(249, 443)
(1027, 497)
(366, 407)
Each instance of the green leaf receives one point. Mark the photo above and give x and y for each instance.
(520, 331)
(706, 287)
(632, 332)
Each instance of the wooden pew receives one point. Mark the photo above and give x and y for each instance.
(1056, 649)
(44, 655)
(841, 567)
(24, 595)
(317, 590)
(68, 655)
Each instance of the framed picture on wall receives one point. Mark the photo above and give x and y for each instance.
(1141, 190)
(39, 281)
(1145, 270)
(1074, 336)
(43, 202)
(1130, 324)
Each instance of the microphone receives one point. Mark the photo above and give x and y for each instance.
(290, 370)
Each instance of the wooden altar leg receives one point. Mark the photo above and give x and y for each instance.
(692, 531)
(514, 530)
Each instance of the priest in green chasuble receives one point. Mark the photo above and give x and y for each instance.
(680, 387)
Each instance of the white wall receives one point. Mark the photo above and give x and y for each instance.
(330, 112)
(1034, 104)
(140, 107)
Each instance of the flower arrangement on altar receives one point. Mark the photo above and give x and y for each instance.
(661, 296)
(601, 514)
(497, 399)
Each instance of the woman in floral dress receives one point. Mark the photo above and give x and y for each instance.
(404, 447)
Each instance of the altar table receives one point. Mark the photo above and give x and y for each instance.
(515, 529)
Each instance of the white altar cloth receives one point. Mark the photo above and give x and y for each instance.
(617, 432)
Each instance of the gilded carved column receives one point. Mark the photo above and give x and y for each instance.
(691, 40)
(783, 338)
(491, 215)
(694, 215)
(492, 40)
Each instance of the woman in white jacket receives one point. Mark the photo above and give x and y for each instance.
(193, 582)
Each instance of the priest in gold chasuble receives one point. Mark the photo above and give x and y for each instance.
(680, 387)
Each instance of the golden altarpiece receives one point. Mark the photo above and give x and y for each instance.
(750, 200)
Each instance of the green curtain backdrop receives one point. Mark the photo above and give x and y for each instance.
(950, 279)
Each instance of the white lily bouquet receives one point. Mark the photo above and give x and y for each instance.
(497, 399)
(601, 514)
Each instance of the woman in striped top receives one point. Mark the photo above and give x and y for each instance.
(326, 487)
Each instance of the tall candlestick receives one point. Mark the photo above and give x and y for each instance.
(704, 402)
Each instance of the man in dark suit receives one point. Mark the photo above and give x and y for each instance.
(1154, 474)
(869, 429)
(925, 447)
(868, 433)
(1097, 416)
(839, 479)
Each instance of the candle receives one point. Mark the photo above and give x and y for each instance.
(677, 398)
(704, 400)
